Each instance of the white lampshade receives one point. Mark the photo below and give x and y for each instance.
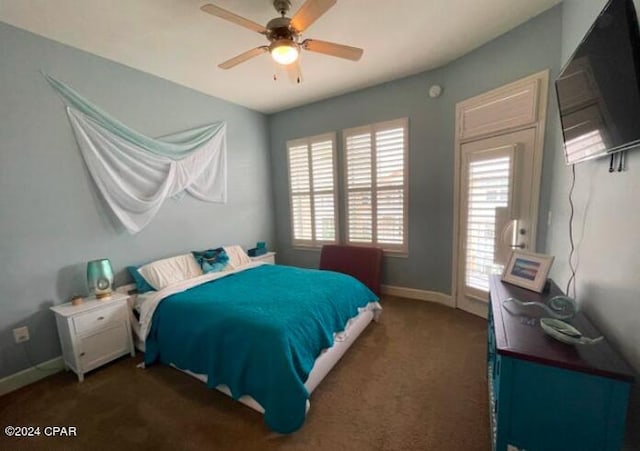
(284, 52)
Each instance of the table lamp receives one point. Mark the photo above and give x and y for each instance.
(100, 278)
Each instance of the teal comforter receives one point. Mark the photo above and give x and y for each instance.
(258, 331)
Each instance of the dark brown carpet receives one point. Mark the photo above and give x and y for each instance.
(414, 381)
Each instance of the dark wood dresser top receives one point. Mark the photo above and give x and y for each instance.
(518, 333)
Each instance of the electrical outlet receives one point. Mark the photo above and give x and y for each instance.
(21, 334)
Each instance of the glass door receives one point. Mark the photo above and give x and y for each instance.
(495, 211)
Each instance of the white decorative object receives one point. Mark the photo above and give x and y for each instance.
(559, 307)
(566, 333)
(94, 333)
(435, 91)
(269, 258)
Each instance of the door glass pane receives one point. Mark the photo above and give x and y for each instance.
(488, 188)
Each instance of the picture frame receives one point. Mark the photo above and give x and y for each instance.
(527, 270)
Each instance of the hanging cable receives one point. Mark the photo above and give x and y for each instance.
(572, 279)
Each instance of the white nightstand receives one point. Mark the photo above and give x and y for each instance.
(269, 257)
(94, 333)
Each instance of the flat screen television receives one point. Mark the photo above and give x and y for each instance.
(598, 89)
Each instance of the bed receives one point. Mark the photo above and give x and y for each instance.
(264, 334)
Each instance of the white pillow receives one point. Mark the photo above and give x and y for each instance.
(237, 256)
(168, 271)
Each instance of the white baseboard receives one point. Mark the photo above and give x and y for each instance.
(31, 375)
(422, 295)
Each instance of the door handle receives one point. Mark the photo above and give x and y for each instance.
(518, 246)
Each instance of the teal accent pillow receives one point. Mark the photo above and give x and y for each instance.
(141, 284)
(211, 260)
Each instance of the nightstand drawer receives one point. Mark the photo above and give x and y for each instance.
(103, 346)
(95, 320)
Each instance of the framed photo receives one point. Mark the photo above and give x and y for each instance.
(527, 270)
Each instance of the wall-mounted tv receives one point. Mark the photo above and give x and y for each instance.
(598, 89)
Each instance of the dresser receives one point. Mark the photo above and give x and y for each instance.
(94, 332)
(545, 395)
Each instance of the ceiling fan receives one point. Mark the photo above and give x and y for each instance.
(284, 33)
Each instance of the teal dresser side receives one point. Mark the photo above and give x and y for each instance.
(546, 395)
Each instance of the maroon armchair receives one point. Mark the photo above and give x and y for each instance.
(363, 263)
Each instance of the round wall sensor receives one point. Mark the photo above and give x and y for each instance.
(435, 91)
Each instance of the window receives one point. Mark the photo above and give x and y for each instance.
(312, 178)
(376, 185)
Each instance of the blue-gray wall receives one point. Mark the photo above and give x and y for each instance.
(606, 227)
(607, 220)
(51, 218)
(527, 49)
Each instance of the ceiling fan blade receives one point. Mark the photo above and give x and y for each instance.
(243, 57)
(333, 49)
(231, 17)
(309, 13)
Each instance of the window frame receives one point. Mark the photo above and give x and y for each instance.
(372, 130)
(313, 243)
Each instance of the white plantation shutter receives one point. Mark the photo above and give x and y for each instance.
(489, 182)
(359, 200)
(299, 179)
(312, 190)
(376, 184)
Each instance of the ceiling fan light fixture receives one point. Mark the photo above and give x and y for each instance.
(284, 51)
(284, 33)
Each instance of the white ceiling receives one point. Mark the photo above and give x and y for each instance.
(174, 40)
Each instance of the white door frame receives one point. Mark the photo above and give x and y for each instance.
(469, 128)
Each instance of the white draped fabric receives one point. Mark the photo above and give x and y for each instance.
(135, 173)
(135, 182)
